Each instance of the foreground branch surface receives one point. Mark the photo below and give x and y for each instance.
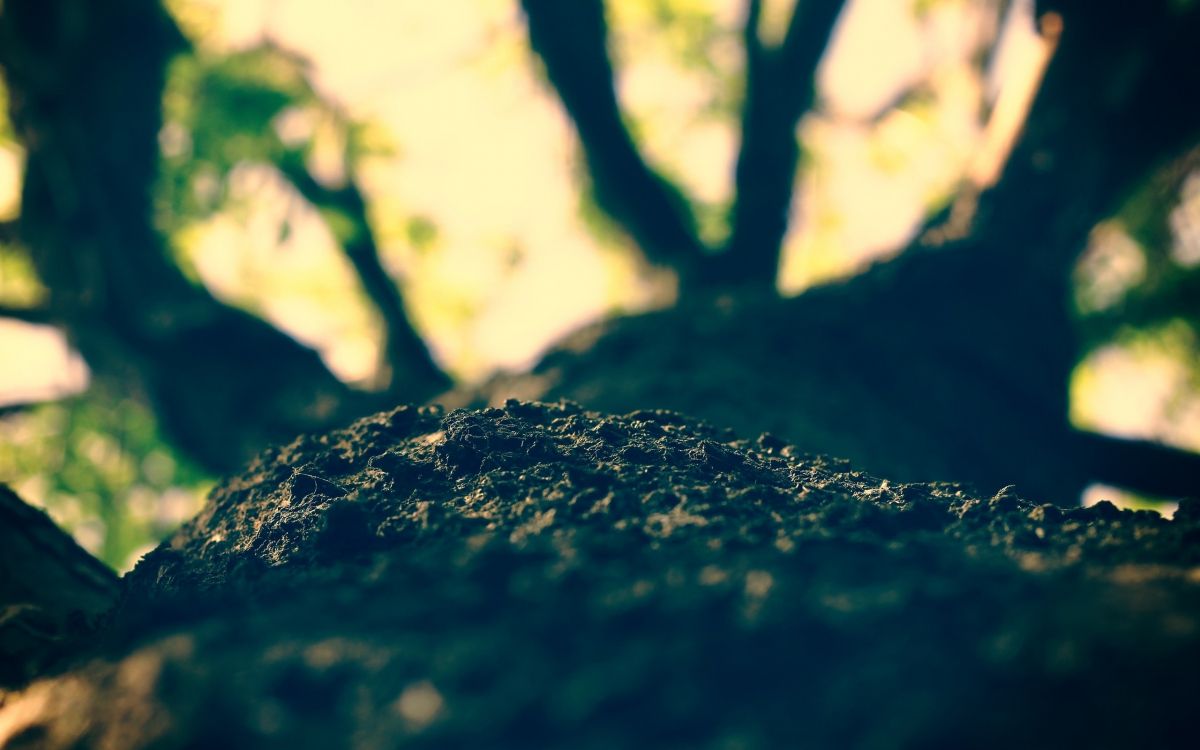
(50, 587)
(544, 576)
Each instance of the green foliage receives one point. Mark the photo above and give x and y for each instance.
(7, 136)
(99, 466)
(688, 35)
(19, 284)
(343, 226)
(691, 30)
(1139, 313)
(257, 106)
(422, 233)
(1166, 287)
(97, 462)
(219, 113)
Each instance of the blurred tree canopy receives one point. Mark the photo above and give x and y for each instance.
(973, 323)
(950, 361)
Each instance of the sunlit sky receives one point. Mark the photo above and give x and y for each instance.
(482, 150)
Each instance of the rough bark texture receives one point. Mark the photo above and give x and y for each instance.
(541, 576)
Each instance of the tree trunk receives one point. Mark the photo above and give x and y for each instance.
(540, 576)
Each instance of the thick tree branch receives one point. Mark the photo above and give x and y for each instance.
(1143, 465)
(1107, 114)
(407, 369)
(572, 40)
(780, 86)
(51, 589)
(35, 314)
(8, 232)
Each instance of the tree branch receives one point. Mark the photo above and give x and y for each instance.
(1107, 114)
(35, 314)
(407, 368)
(8, 232)
(51, 589)
(752, 41)
(1141, 465)
(780, 87)
(571, 38)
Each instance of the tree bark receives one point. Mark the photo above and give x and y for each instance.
(582, 580)
(51, 590)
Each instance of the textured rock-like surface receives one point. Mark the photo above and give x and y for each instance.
(543, 576)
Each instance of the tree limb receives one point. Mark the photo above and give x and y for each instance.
(52, 591)
(407, 367)
(1142, 465)
(8, 232)
(780, 87)
(571, 38)
(33, 314)
(1106, 115)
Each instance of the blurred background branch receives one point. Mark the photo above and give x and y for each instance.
(780, 85)
(406, 369)
(39, 315)
(571, 39)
